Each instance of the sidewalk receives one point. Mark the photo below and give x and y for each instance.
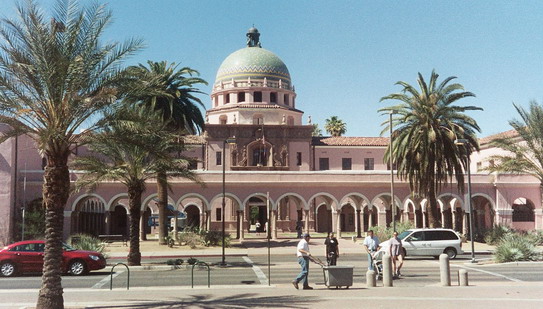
(511, 294)
(151, 249)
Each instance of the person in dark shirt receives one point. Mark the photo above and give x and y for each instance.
(332, 249)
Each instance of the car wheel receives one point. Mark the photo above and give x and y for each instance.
(77, 268)
(8, 269)
(451, 252)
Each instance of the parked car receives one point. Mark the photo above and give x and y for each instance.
(27, 257)
(431, 242)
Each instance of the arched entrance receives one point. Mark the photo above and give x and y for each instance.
(91, 217)
(193, 216)
(347, 218)
(257, 214)
(119, 221)
(324, 219)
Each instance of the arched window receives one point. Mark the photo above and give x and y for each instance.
(523, 211)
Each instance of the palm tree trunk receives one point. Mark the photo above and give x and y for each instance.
(134, 204)
(162, 192)
(434, 218)
(56, 188)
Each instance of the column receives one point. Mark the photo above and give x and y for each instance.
(382, 218)
(442, 217)
(423, 219)
(465, 223)
(273, 224)
(202, 220)
(142, 228)
(241, 232)
(306, 220)
(338, 223)
(453, 218)
(208, 220)
(359, 223)
(370, 217)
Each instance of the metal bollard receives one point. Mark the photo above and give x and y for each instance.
(387, 270)
(370, 279)
(463, 277)
(445, 270)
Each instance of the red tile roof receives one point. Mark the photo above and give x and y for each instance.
(507, 134)
(350, 141)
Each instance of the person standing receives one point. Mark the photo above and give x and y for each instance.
(371, 243)
(298, 229)
(332, 249)
(303, 254)
(396, 253)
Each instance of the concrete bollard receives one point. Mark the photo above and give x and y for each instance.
(370, 279)
(387, 270)
(463, 277)
(445, 270)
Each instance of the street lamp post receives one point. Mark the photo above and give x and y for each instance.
(465, 143)
(392, 203)
(230, 140)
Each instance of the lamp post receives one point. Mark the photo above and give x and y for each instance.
(230, 140)
(392, 203)
(465, 143)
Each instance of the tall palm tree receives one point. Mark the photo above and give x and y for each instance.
(132, 147)
(525, 149)
(426, 124)
(54, 77)
(170, 91)
(316, 130)
(335, 126)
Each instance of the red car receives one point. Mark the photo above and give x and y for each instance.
(27, 257)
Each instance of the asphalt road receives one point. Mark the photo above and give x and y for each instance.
(254, 271)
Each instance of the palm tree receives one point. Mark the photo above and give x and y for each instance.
(335, 126)
(54, 77)
(316, 130)
(426, 124)
(171, 92)
(132, 147)
(525, 149)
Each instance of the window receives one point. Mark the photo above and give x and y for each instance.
(440, 235)
(218, 157)
(218, 214)
(368, 164)
(241, 96)
(299, 159)
(258, 96)
(523, 213)
(417, 236)
(324, 164)
(223, 119)
(273, 97)
(346, 164)
(286, 99)
(227, 98)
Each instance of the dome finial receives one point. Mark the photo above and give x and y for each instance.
(253, 38)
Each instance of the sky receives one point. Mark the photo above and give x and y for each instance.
(344, 56)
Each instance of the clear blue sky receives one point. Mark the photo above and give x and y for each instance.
(344, 56)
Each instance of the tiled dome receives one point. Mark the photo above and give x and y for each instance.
(254, 62)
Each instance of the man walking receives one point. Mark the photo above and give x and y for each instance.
(371, 243)
(302, 251)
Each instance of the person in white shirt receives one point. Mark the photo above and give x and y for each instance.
(396, 253)
(371, 243)
(303, 254)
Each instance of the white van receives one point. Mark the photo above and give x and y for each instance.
(432, 242)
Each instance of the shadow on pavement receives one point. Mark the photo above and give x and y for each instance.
(240, 301)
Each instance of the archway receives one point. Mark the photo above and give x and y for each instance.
(523, 216)
(324, 219)
(119, 221)
(193, 216)
(257, 214)
(347, 218)
(91, 216)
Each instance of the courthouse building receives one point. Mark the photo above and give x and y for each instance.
(258, 139)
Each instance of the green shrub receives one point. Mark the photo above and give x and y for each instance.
(515, 247)
(537, 237)
(214, 238)
(192, 261)
(174, 262)
(496, 233)
(86, 242)
(189, 238)
(385, 233)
